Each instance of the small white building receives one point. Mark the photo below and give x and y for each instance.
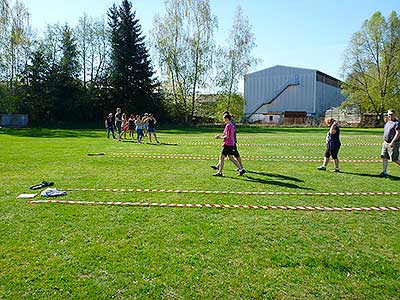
(281, 89)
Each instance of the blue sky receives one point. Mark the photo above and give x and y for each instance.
(304, 33)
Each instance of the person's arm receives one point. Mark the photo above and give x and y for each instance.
(395, 139)
(155, 121)
(225, 135)
(333, 128)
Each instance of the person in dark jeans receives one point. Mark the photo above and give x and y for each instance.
(109, 124)
(332, 145)
(391, 141)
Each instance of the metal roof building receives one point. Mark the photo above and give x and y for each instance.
(282, 89)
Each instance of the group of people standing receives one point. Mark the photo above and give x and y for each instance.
(390, 146)
(142, 126)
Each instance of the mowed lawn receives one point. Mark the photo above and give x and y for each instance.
(57, 251)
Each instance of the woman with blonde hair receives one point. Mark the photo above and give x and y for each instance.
(332, 145)
(139, 129)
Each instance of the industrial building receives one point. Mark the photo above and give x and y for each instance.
(280, 92)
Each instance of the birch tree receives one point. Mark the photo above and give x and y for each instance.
(16, 38)
(184, 43)
(235, 59)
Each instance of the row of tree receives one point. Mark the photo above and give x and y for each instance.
(81, 73)
(372, 66)
(75, 74)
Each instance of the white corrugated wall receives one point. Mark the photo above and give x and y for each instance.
(262, 86)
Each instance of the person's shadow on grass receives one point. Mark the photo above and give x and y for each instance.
(391, 177)
(270, 182)
(284, 177)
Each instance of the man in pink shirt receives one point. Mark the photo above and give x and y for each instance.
(229, 149)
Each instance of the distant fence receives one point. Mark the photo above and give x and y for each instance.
(15, 121)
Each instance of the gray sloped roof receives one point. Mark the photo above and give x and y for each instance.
(289, 67)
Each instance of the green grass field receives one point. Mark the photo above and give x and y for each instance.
(58, 251)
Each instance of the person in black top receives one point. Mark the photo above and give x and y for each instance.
(332, 145)
(131, 125)
(118, 122)
(109, 124)
(152, 127)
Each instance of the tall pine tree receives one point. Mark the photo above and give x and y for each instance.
(64, 86)
(131, 73)
(36, 87)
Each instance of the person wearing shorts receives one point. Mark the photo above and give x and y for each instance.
(236, 155)
(391, 142)
(139, 129)
(229, 147)
(145, 124)
(151, 121)
(332, 145)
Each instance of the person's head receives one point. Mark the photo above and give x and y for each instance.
(227, 118)
(138, 117)
(225, 113)
(124, 115)
(391, 114)
(329, 121)
(118, 110)
(110, 115)
(132, 116)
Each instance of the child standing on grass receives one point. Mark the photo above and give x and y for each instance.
(139, 129)
(131, 126)
(109, 124)
(229, 148)
(124, 125)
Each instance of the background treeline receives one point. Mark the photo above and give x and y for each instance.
(79, 74)
(75, 74)
(371, 66)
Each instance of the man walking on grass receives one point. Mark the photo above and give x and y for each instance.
(229, 147)
(391, 141)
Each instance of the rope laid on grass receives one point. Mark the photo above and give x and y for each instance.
(178, 191)
(248, 158)
(228, 206)
(282, 144)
